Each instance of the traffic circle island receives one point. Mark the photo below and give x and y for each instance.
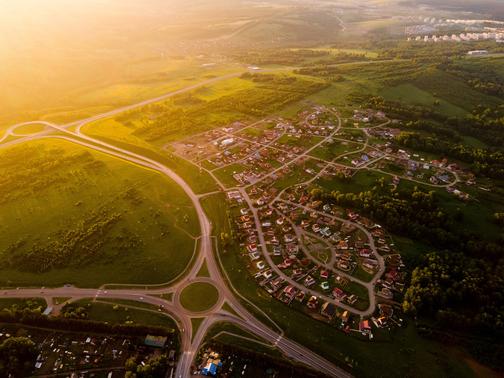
(199, 296)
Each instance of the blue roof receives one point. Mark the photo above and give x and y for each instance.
(211, 370)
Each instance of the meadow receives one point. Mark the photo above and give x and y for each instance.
(68, 215)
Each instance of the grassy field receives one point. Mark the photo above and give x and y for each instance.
(363, 180)
(104, 312)
(401, 353)
(336, 94)
(128, 303)
(225, 87)
(457, 92)
(330, 151)
(230, 328)
(199, 181)
(410, 94)
(231, 335)
(199, 296)
(68, 215)
(401, 80)
(225, 175)
(338, 51)
(304, 142)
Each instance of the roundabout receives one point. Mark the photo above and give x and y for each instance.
(193, 296)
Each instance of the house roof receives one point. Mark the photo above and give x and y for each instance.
(211, 369)
(329, 309)
(155, 341)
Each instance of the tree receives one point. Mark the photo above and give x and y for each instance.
(225, 239)
(154, 367)
(499, 218)
(17, 357)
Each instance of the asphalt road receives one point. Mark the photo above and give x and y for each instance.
(190, 341)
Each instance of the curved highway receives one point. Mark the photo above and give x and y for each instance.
(190, 341)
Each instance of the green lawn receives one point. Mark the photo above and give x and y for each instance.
(203, 272)
(362, 275)
(252, 132)
(199, 296)
(195, 323)
(473, 142)
(69, 215)
(228, 308)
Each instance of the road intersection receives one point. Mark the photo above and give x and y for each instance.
(191, 339)
(207, 253)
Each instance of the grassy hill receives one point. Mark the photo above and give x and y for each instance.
(68, 215)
